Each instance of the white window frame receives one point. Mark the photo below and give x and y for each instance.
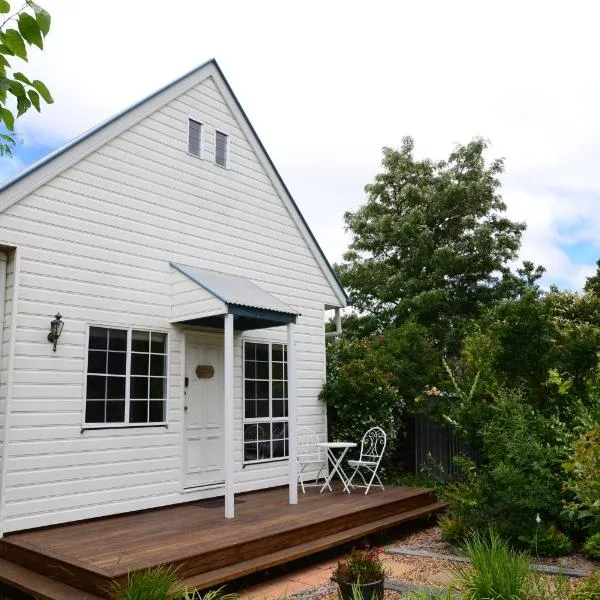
(270, 419)
(202, 124)
(227, 148)
(126, 424)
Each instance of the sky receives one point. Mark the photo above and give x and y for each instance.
(327, 84)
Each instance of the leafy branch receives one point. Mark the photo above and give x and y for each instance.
(32, 25)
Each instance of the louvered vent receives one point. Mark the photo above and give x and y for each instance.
(194, 134)
(221, 149)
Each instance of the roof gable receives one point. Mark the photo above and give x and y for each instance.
(57, 162)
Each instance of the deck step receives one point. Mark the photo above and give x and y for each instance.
(39, 586)
(265, 561)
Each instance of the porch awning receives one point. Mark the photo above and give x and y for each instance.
(201, 297)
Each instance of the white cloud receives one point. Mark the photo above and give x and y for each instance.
(327, 84)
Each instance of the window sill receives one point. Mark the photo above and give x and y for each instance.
(265, 462)
(99, 426)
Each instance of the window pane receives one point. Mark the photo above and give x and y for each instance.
(117, 339)
(262, 370)
(250, 409)
(262, 352)
(157, 387)
(279, 448)
(277, 387)
(279, 408)
(98, 337)
(277, 370)
(96, 361)
(262, 389)
(264, 450)
(115, 411)
(250, 351)
(264, 431)
(117, 363)
(157, 411)
(138, 387)
(139, 364)
(115, 388)
(250, 452)
(159, 342)
(250, 432)
(157, 364)
(138, 411)
(277, 352)
(279, 431)
(262, 408)
(250, 369)
(250, 390)
(94, 412)
(96, 387)
(140, 341)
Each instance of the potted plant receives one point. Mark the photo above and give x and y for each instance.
(360, 572)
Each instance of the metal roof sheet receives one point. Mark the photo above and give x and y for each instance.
(233, 289)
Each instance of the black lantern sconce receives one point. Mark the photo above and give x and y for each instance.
(56, 327)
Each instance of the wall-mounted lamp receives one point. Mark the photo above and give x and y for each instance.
(56, 327)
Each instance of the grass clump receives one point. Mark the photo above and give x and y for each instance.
(592, 546)
(498, 572)
(588, 589)
(157, 583)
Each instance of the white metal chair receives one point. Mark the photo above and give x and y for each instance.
(309, 456)
(371, 450)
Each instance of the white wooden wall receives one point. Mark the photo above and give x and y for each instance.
(95, 244)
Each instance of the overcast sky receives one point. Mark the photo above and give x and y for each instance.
(327, 84)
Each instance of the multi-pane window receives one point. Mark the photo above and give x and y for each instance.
(221, 149)
(265, 401)
(194, 137)
(126, 376)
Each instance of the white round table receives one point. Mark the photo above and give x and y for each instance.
(336, 462)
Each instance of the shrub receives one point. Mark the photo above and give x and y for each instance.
(453, 529)
(547, 541)
(588, 589)
(583, 468)
(497, 573)
(592, 546)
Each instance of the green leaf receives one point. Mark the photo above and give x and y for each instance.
(30, 30)
(34, 97)
(42, 17)
(43, 91)
(17, 89)
(5, 83)
(15, 42)
(6, 50)
(23, 105)
(8, 118)
(20, 77)
(4, 6)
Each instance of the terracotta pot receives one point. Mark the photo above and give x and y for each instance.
(369, 591)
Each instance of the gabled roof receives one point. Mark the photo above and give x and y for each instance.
(233, 289)
(54, 163)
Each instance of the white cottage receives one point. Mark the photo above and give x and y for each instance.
(192, 294)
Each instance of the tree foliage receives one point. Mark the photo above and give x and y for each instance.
(431, 243)
(26, 27)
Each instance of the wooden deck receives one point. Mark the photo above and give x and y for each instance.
(206, 548)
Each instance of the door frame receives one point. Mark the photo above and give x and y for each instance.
(211, 337)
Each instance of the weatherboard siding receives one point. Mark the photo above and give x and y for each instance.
(95, 243)
(190, 301)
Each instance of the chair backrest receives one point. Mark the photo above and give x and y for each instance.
(307, 445)
(373, 444)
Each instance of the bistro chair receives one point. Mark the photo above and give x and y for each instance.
(371, 450)
(310, 456)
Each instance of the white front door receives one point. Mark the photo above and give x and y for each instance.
(204, 413)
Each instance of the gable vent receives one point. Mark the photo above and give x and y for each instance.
(194, 136)
(220, 149)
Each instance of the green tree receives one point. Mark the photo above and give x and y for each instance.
(592, 284)
(430, 243)
(27, 26)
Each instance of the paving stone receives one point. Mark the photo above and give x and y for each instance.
(444, 577)
(396, 569)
